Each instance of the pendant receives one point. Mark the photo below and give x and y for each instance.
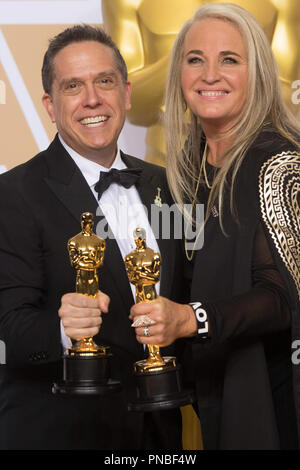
(157, 199)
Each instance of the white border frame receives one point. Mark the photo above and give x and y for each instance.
(50, 11)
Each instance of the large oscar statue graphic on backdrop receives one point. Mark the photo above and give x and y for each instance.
(145, 30)
(158, 378)
(86, 365)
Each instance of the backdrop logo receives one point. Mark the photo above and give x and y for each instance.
(2, 352)
(2, 92)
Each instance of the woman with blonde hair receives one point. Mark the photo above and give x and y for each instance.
(233, 146)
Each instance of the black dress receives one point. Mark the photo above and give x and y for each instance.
(248, 282)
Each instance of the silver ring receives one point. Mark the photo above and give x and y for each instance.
(146, 331)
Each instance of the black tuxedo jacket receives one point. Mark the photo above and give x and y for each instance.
(41, 205)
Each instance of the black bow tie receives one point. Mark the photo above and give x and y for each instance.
(126, 178)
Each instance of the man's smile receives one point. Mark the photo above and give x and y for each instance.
(94, 121)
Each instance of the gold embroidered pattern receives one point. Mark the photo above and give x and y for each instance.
(279, 185)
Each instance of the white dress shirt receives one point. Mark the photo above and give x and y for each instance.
(123, 210)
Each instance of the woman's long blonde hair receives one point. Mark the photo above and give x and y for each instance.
(264, 105)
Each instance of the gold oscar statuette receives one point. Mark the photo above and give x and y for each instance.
(86, 251)
(143, 270)
(86, 365)
(158, 380)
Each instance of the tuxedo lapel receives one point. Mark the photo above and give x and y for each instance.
(67, 182)
(76, 195)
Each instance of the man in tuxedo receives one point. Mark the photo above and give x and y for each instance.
(86, 96)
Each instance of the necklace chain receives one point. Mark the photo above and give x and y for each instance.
(203, 167)
(202, 170)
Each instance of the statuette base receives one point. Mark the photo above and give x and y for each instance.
(159, 388)
(86, 375)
